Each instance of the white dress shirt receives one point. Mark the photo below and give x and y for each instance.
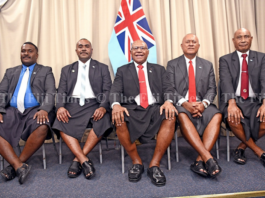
(238, 90)
(182, 100)
(77, 90)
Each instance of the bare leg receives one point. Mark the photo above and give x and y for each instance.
(164, 138)
(124, 137)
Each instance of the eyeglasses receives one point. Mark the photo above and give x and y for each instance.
(139, 47)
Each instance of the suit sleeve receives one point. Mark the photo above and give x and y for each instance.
(50, 91)
(167, 87)
(226, 82)
(4, 86)
(171, 75)
(62, 90)
(106, 86)
(211, 91)
(116, 88)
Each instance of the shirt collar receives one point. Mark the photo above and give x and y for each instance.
(80, 63)
(31, 67)
(188, 60)
(144, 64)
(240, 54)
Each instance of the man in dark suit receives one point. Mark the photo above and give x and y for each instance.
(242, 81)
(195, 89)
(141, 98)
(83, 102)
(26, 110)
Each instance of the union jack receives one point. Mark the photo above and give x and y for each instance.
(131, 25)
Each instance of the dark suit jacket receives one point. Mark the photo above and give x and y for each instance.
(204, 77)
(99, 78)
(126, 85)
(42, 86)
(229, 71)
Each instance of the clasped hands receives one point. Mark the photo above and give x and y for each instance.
(118, 112)
(64, 115)
(195, 108)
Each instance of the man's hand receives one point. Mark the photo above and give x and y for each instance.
(63, 115)
(41, 116)
(261, 113)
(234, 113)
(118, 114)
(1, 118)
(170, 110)
(99, 113)
(200, 107)
(190, 106)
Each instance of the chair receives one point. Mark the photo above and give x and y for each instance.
(122, 159)
(226, 130)
(19, 150)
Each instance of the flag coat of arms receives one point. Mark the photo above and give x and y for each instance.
(130, 25)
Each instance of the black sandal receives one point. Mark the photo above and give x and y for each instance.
(8, 173)
(23, 172)
(212, 166)
(75, 168)
(239, 156)
(262, 159)
(197, 166)
(88, 169)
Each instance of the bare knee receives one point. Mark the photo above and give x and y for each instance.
(218, 117)
(42, 130)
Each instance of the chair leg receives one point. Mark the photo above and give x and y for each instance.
(60, 151)
(44, 156)
(217, 149)
(177, 147)
(168, 158)
(1, 162)
(227, 145)
(122, 159)
(100, 152)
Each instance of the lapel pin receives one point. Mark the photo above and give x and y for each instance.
(150, 71)
(251, 60)
(73, 70)
(34, 72)
(200, 67)
(93, 66)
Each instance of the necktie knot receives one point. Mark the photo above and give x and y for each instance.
(244, 55)
(190, 62)
(140, 66)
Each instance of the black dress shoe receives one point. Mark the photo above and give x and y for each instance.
(135, 172)
(157, 176)
(23, 172)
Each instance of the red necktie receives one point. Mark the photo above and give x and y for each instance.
(192, 84)
(143, 88)
(244, 78)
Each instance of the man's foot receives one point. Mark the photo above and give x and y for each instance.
(199, 168)
(212, 167)
(239, 156)
(8, 173)
(88, 169)
(74, 170)
(156, 175)
(135, 172)
(23, 172)
(262, 159)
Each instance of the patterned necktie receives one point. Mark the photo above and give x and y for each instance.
(192, 84)
(244, 92)
(22, 91)
(143, 88)
(83, 86)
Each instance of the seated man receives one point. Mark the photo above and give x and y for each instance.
(26, 110)
(138, 91)
(242, 81)
(83, 102)
(194, 82)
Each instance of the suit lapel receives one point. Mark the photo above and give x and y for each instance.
(134, 74)
(16, 78)
(236, 65)
(34, 73)
(92, 69)
(150, 76)
(183, 68)
(73, 76)
(199, 70)
(251, 64)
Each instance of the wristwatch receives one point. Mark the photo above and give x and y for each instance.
(205, 104)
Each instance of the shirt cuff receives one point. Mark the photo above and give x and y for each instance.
(207, 101)
(181, 101)
(114, 103)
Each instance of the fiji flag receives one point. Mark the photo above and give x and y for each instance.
(130, 25)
